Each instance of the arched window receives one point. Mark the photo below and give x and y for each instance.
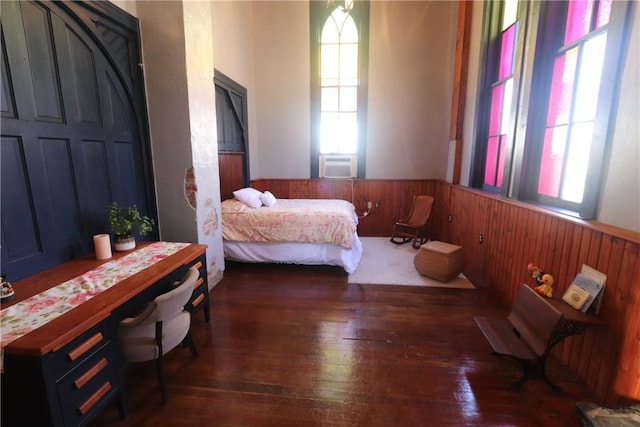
(339, 39)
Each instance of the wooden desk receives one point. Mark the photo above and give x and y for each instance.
(531, 331)
(64, 372)
(572, 322)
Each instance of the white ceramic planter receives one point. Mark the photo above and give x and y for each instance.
(124, 243)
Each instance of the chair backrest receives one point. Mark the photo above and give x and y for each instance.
(171, 303)
(420, 210)
(534, 318)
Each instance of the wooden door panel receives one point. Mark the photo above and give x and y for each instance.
(94, 189)
(127, 186)
(76, 142)
(79, 77)
(29, 53)
(19, 226)
(62, 201)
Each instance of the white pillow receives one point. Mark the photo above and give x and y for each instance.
(249, 196)
(268, 199)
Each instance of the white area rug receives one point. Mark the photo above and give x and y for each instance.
(384, 263)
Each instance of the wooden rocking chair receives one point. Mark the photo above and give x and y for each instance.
(413, 227)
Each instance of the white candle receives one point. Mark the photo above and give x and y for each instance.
(102, 244)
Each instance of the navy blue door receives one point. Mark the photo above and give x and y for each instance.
(73, 133)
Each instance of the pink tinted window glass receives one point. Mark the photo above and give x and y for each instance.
(578, 20)
(506, 52)
(564, 70)
(604, 13)
(496, 110)
(553, 152)
(491, 161)
(503, 152)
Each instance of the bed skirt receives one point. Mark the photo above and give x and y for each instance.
(296, 253)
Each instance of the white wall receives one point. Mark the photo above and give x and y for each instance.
(410, 81)
(411, 64)
(129, 6)
(620, 200)
(177, 45)
(164, 59)
(233, 42)
(282, 96)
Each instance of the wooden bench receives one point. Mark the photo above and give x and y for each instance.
(526, 335)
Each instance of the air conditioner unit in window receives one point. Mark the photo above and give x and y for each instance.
(338, 166)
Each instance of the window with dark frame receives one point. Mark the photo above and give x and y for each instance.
(339, 62)
(544, 109)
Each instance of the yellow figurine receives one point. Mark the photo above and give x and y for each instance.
(546, 286)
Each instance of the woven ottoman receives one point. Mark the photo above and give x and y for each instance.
(439, 260)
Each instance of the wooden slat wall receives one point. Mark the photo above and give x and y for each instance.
(606, 358)
(514, 234)
(231, 172)
(394, 196)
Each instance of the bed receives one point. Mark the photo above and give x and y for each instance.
(293, 231)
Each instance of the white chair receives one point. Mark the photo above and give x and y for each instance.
(161, 327)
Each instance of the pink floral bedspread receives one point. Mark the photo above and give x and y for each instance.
(291, 220)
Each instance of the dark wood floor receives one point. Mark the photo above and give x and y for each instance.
(298, 346)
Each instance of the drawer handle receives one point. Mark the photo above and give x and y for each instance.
(199, 282)
(94, 398)
(197, 265)
(86, 377)
(197, 300)
(85, 346)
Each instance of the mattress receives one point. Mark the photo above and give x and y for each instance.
(294, 231)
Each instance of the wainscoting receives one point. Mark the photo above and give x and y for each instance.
(514, 234)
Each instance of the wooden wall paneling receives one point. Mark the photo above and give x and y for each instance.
(342, 189)
(456, 217)
(631, 344)
(535, 239)
(508, 239)
(496, 255)
(630, 350)
(626, 325)
(376, 223)
(381, 220)
(610, 307)
(563, 352)
(278, 187)
(572, 348)
(230, 167)
(548, 244)
(440, 216)
(606, 358)
(390, 193)
(584, 344)
(590, 362)
(559, 266)
(516, 268)
(464, 235)
(301, 189)
(470, 220)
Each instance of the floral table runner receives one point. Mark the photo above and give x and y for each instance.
(27, 315)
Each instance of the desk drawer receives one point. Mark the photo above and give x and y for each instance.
(90, 385)
(200, 297)
(81, 348)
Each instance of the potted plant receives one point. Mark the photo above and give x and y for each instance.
(125, 223)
